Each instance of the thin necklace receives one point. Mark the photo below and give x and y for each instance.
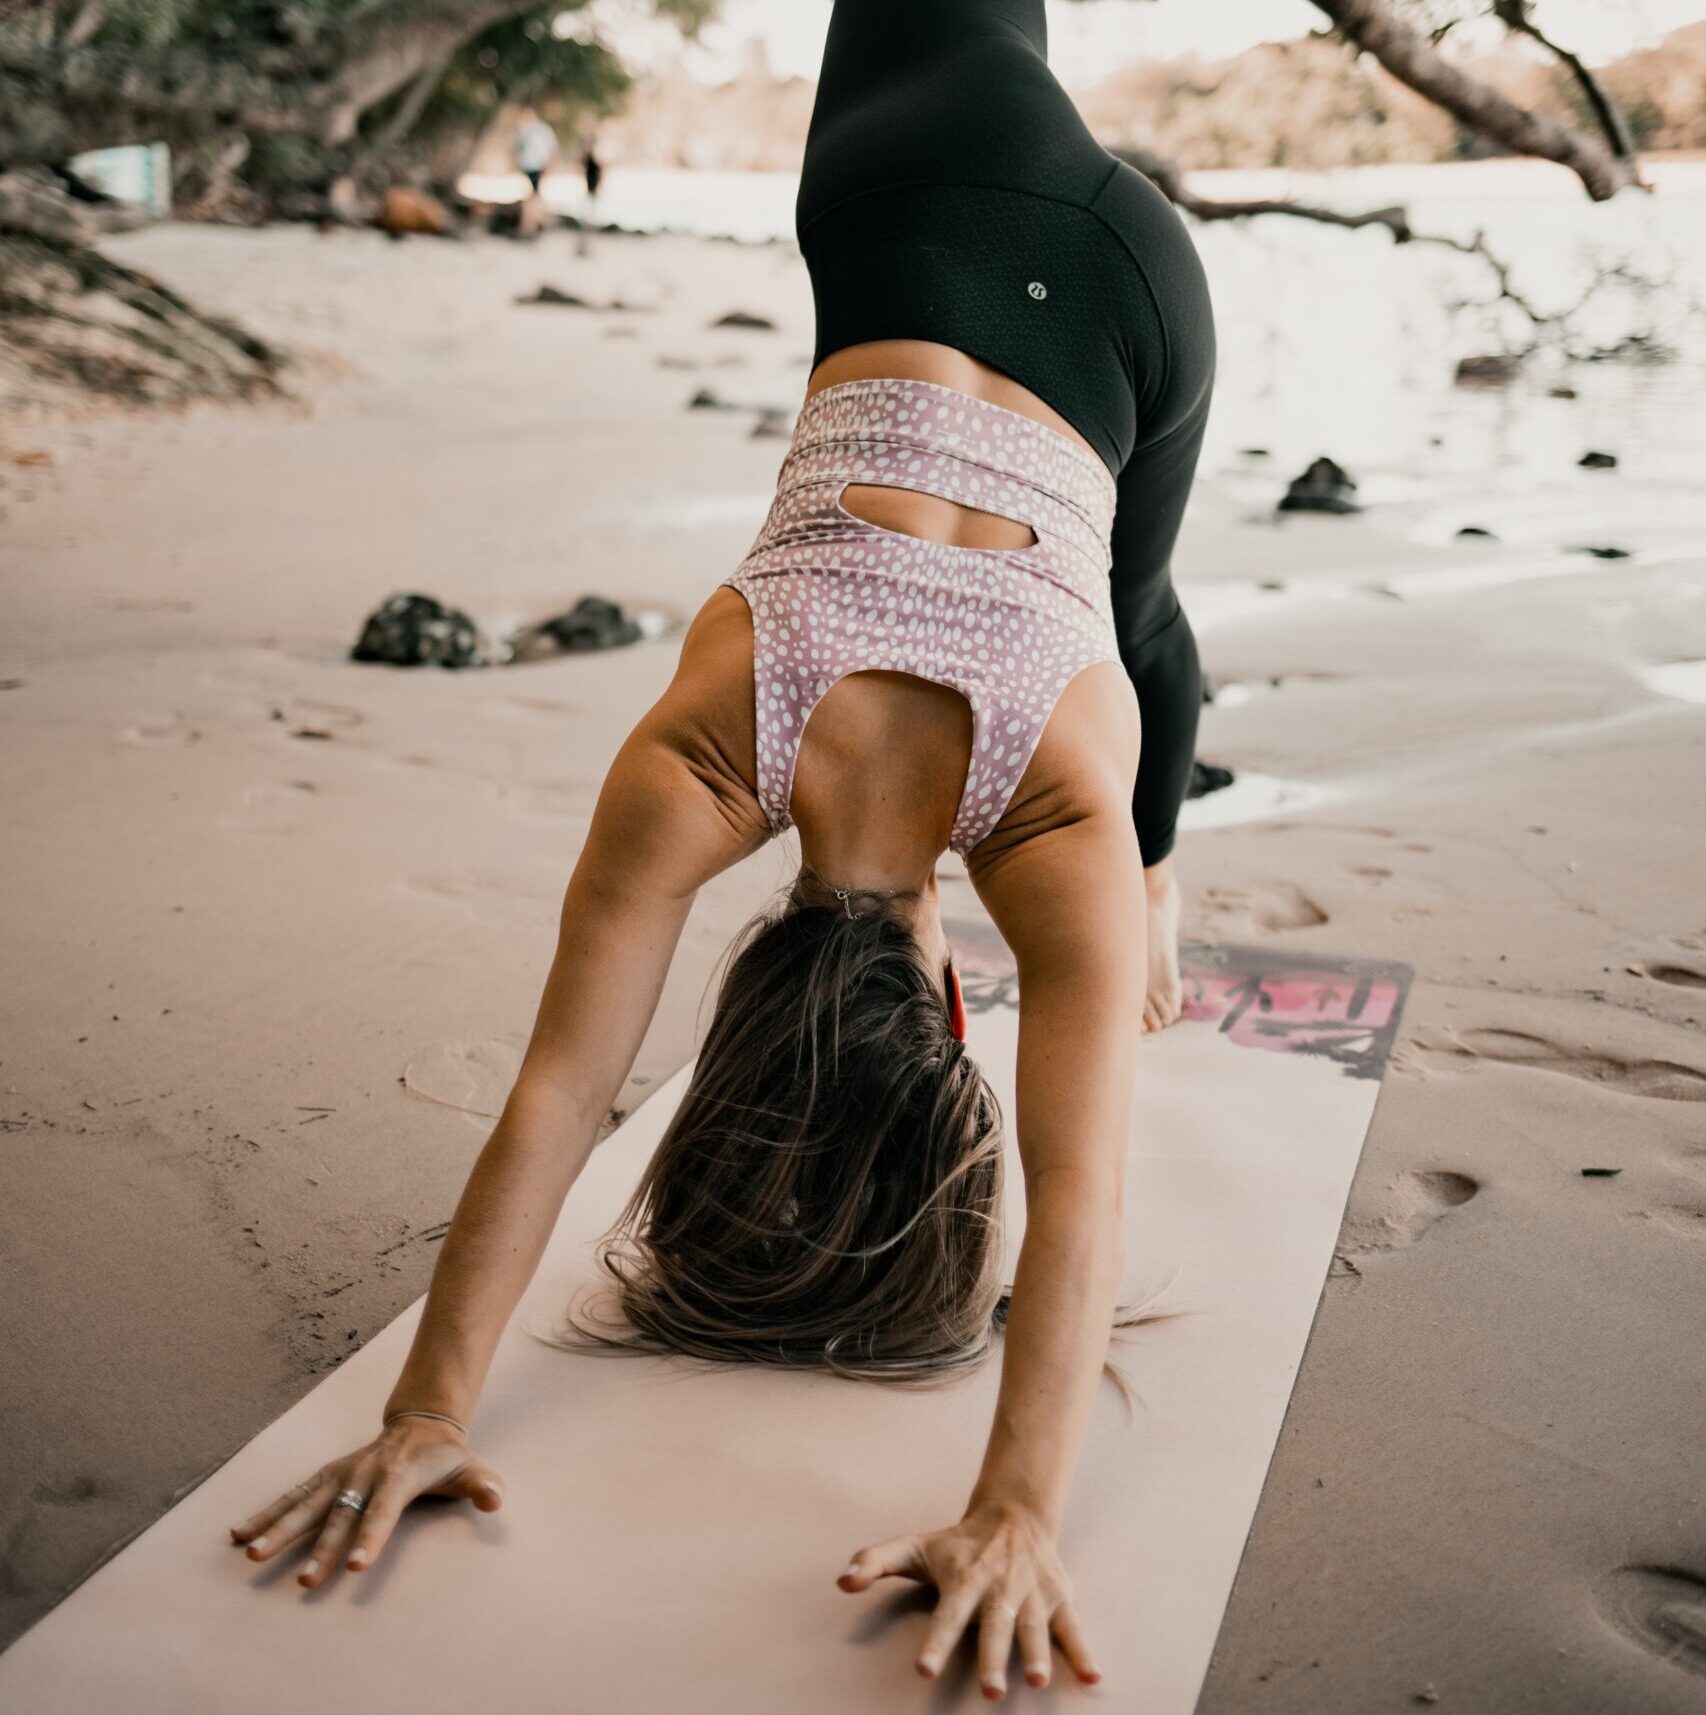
(848, 894)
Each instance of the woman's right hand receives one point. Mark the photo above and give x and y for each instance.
(414, 1456)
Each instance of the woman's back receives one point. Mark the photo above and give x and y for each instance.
(899, 658)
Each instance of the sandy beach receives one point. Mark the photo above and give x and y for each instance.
(276, 923)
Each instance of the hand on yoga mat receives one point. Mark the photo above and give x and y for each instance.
(414, 1456)
(999, 1567)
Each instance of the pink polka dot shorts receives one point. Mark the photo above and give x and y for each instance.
(833, 594)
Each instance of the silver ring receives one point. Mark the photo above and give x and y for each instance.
(1006, 1607)
(354, 1499)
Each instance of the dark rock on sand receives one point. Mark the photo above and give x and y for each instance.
(1598, 461)
(592, 623)
(418, 631)
(1478, 530)
(744, 319)
(1207, 777)
(556, 295)
(1324, 487)
(1489, 370)
(1602, 553)
(773, 424)
(706, 400)
(1562, 393)
(1253, 452)
(526, 220)
(569, 300)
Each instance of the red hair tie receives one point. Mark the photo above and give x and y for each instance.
(956, 1003)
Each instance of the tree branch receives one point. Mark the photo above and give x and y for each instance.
(1517, 17)
(66, 98)
(1413, 60)
(398, 125)
(1170, 182)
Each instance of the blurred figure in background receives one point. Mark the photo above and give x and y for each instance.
(591, 167)
(534, 146)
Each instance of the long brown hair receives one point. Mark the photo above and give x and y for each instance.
(828, 1194)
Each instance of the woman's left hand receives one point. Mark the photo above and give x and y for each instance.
(999, 1566)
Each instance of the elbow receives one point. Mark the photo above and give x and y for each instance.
(1090, 1200)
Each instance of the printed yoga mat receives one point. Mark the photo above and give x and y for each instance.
(671, 1537)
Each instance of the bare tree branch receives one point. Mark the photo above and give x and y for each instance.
(398, 125)
(1412, 59)
(1169, 180)
(1518, 17)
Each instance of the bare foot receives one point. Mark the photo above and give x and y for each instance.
(1166, 996)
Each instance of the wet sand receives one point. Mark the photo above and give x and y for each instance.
(277, 923)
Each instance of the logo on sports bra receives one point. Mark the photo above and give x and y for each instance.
(1037, 289)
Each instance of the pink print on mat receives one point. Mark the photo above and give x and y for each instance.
(833, 594)
(1343, 1010)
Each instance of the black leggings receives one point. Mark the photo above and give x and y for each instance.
(947, 178)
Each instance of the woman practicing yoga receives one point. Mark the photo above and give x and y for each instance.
(963, 581)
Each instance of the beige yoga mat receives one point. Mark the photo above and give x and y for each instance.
(671, 1537)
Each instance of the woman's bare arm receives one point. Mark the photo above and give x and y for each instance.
(1068, 899)
(1063, 879)
(1070, 904)
(674, 811)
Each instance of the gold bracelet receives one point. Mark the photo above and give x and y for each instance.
(411, 1412)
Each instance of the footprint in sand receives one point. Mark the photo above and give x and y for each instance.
(494, 900)
(306, 717)
(1658, 1080)
(558, 806)
(475, 1077)
(1660, 1608)
(172, 728)
(69, 1492)
(1681, 976)
(1418, 1199)
(268, 811)
(1269, 905)
(552, 711)
(1364, 828)
(1674, 1218)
